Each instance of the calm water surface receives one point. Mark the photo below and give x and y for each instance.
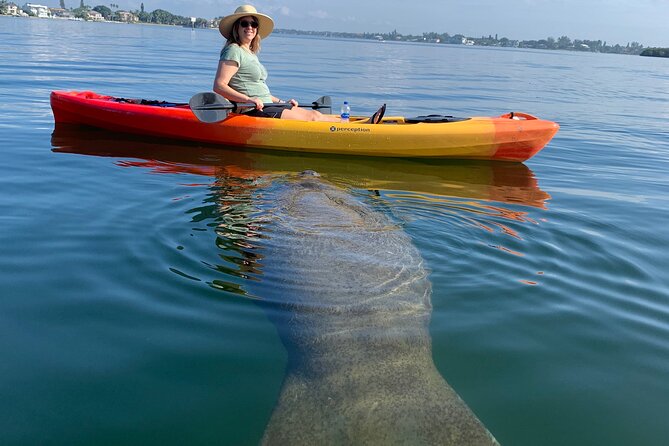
(129, 286)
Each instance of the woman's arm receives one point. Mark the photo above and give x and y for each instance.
(227, 69)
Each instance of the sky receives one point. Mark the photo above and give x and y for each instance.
(613, 21)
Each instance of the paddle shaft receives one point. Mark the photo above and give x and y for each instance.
(212, 107)
(251, 105)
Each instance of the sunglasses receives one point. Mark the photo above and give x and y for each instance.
(245, 24)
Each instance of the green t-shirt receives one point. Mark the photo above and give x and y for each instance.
(250, 78)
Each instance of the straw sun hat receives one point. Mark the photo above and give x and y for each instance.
(266, 24)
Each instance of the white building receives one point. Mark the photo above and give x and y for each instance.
(11, 9)
(60, 13)
(125, 16)
(37, 10)
(95, 16)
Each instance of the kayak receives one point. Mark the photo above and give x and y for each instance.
(509, 137)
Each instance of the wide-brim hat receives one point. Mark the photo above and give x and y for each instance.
(265, 22)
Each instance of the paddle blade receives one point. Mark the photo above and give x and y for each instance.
(324, 103)
(210, 107)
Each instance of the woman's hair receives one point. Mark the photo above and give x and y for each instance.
(234, 36)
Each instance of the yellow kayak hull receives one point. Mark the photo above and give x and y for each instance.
(510, 137)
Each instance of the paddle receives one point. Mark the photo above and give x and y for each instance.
(211, 107)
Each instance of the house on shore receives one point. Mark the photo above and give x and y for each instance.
(94, 16)
(125, 16)
(11, 9)
(40, 11)
(61, 13)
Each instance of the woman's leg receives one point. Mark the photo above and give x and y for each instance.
(303, 114)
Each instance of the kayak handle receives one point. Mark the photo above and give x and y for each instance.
(518, 115)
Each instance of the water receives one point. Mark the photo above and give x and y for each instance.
(128, 308)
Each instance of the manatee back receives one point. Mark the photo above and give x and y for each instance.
(350, 297)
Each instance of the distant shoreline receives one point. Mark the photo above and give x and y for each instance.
(655, 52)
(563, 43)
(64, 19)
(550, 43)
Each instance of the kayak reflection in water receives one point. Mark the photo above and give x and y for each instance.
(241, 77)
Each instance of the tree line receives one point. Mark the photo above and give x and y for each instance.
(157, 16)
(656, 52)
(550, 43)
(163, 17)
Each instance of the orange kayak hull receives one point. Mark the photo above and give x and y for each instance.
(510, 137)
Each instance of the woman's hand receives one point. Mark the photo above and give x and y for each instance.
(292, 102)
(259, 104)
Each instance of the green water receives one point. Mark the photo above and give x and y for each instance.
(128, 293)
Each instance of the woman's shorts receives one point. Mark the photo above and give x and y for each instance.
(270, 111)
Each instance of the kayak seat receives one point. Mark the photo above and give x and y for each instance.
(433, 119)
(378, 115)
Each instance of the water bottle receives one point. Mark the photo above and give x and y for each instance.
(345, 112)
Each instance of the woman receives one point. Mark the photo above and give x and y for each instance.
(241, 77)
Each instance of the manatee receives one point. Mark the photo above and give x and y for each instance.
(350, 298)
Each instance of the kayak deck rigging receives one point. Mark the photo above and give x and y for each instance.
(394, 120)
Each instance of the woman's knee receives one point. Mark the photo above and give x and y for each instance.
(301, 114)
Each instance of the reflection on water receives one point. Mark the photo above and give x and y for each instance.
(479, 194)
(231, 211)
(512, 183)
